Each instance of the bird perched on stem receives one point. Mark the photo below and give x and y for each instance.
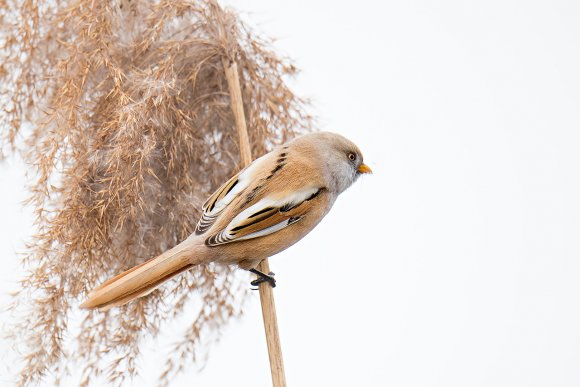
(265, 208)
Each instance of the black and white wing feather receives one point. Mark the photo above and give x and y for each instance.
(224, 195)
(265, 217)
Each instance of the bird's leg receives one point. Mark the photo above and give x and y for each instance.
(263, 278)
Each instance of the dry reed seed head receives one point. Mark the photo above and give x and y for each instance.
(123, 109)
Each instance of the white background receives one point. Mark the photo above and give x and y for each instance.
(457, 262)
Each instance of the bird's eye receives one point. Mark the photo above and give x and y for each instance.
(351, 156)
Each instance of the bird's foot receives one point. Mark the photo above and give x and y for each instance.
(262, 277)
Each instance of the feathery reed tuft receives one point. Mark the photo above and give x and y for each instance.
(122, 108)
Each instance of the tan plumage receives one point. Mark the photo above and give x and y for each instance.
(262, 210)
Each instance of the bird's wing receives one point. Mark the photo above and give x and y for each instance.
(273, 192)
(229, 191)
(266, 216)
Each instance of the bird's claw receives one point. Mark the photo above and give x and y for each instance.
(263, 278)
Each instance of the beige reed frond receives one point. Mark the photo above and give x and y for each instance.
(122, 107)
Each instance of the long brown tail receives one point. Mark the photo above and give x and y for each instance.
(142, 279)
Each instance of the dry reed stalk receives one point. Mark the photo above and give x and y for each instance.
(122, 108)
(266, 291)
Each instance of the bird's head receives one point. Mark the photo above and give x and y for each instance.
(340, 159)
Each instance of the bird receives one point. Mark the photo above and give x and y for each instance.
(260, 211)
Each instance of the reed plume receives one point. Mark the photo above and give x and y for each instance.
(122, 110)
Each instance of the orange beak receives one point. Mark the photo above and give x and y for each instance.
(363, 168)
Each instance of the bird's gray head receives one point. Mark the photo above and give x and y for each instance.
(340, 159)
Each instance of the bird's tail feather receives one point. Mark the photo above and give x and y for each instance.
(142, 279)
